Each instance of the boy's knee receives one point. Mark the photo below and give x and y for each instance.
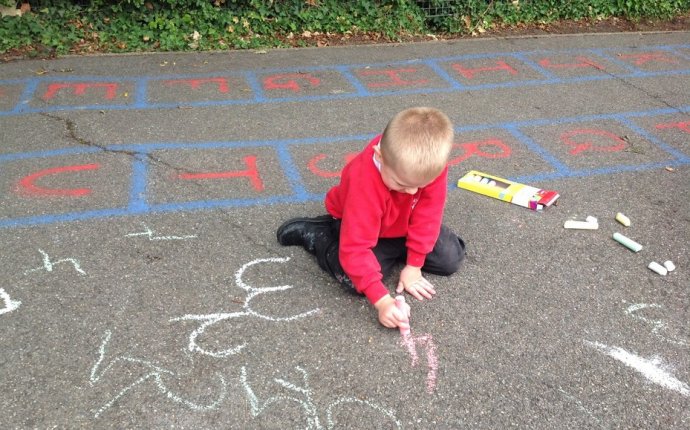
(453, 254)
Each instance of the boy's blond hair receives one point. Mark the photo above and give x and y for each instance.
(417, 142)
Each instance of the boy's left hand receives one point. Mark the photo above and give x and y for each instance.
(412, 281)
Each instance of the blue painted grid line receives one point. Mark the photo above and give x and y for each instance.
(678, 155)
(65, 217)
(147, 148)
(141, 93)
(360, 89)
(25, 97)
(269, 100)
(274, 143)
(291, 172)
(440, 71)
(256, 87)
(138, 189)
(677, 52)
(537, 149)
(234, 203)
(581, 118)
(259, 95)
(138, 198)
(583, 173)
(537, 67)
(241, 73)
(75, 150)
(632, 70)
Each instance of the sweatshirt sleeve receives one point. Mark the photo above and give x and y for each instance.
(425, 220)
(359, 233)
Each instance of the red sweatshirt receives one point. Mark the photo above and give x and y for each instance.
(369, 211)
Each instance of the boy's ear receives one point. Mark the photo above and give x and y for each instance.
(377, 152)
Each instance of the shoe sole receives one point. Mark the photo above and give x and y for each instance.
(323, 219)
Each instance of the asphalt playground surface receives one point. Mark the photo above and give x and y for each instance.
(143, 287)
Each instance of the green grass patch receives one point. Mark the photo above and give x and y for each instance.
(60, 27)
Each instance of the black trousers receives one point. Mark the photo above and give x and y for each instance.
(444, 259)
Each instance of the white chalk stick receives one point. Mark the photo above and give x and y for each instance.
(581, 225)
(658, 268)
(669, 265)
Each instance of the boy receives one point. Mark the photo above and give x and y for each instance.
(387, 209)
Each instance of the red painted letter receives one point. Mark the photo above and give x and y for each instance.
(195, 84)
(685, 126)
(289, 81)
(469, 73)
(640, 59)
(473, 148)
(582, 62)
(27, 185)
(79, 89)
(394, 76)
(251, 172)
(588, 145)
(315, 169)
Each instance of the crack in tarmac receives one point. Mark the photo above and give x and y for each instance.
(655, 97)
(73, 134)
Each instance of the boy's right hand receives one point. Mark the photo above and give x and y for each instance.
(389, 314)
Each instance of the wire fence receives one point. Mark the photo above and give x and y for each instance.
(437, 8)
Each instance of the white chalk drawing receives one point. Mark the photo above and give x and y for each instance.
(148, 232)
(302, 395)
(152, 371)
(582, 407)
(410, 342)
(208, 320)
(48, 264)
(652, 369)
(659, 328)
(9, 305)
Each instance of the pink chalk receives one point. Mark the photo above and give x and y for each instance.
(400, 304)
(426, 341)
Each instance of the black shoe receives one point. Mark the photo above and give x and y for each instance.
(304, 231)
